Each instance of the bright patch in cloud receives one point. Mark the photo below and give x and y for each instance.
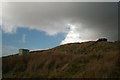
(72, 35)
(76, 33)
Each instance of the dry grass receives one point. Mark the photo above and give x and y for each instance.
(100, 61)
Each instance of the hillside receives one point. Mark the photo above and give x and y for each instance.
(75, 60)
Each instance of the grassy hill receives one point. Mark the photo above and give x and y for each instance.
(75, 60)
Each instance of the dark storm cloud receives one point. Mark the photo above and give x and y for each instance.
(93, 19)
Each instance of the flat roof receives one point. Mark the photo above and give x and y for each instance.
(23, 49)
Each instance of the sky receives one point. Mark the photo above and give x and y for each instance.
(44, 25)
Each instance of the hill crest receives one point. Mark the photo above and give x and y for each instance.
(81, 60)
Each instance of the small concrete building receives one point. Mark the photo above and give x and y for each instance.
(23, 51)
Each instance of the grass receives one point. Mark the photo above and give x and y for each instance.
(102, 60)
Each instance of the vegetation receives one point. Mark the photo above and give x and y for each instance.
(75, 60)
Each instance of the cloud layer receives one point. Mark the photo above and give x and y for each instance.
(60, 1)
(9, 50)
(92, 20)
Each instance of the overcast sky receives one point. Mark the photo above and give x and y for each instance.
(75, 22)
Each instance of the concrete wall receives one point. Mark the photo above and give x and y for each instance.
(23, 51)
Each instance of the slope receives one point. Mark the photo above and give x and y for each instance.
(75, 60)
